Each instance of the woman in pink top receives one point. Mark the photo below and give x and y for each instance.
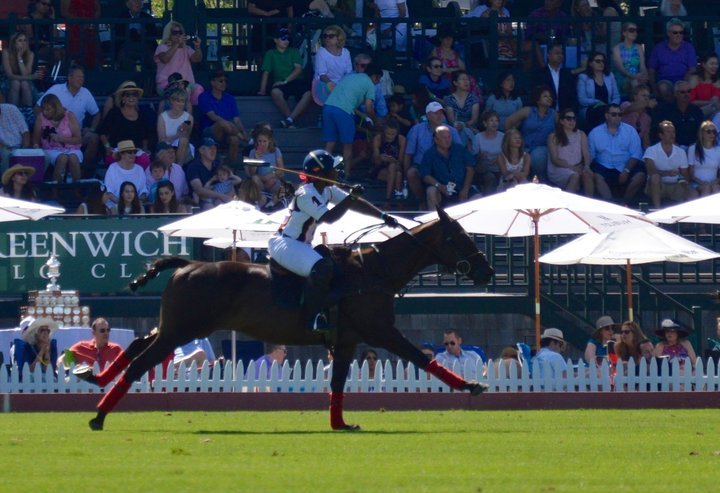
(174, 55)
(57, 132)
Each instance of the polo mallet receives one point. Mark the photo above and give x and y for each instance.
(264, 164)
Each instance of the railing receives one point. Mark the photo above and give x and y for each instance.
(648, 376)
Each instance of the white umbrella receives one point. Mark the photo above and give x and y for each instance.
(640, 245)
(703, 210)
(20, 210)
(534, 209)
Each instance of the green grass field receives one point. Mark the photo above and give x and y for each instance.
(438, 451)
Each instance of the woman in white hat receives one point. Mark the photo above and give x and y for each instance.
(38, 347)
(16, 183)
(125, 169)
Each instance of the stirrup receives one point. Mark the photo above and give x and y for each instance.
(320, 323)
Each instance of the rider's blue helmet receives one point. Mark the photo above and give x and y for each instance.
(320, 162)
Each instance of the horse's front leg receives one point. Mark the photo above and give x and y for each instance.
(343, 354)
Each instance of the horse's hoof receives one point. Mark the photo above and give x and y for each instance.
(478, 388)
(85, 373)
(96, 424)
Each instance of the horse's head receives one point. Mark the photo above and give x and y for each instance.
(459, 253)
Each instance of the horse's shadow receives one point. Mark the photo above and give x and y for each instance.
(291, 432)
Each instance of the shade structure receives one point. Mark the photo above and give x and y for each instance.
(703, 210)
(21, 210)
(535, 209)
(639, 245)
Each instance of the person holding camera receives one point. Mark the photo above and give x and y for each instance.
(57, 132)
(175, 124)
(175, 55)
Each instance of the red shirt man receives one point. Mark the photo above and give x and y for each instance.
(99, 348)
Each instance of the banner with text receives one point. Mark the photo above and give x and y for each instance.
(97, 255)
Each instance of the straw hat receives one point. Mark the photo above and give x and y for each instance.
(555, 334)
(125, 145)
(128, 86)
(29, 327)
(18, 168)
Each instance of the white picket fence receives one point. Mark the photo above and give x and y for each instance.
(389, 377)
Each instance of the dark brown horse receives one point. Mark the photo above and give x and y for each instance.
(201, 298)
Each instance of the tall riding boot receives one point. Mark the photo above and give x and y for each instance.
(316, 293)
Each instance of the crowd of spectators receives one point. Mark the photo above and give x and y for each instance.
(610, 121)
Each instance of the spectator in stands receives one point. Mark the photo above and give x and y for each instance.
(455, 355)
(18, 63)
(421, 138)
(165, 154)
(558, 78)
(82, 38)
(249, 191)
(338, 123)
(282, 69)
(281, 199)
(629, 60)
(596, 88)
(487, 146)
(267, 8)
(224, 182)
(174, 55)
(419, 100)
(98, 350)
(220, 116)
(541, 30)
(507, 44)
(274, 353)
(552, 344)
(447, 169)
(590, 33)
(536, 123)
(388, 156)
(155, 174)
(596, 348)
(513, 161)
(199, 172)
(197, 351)
(125, 170)
(361, 61)
(126, 121)
(569, 156)
(685, 116)
(509, 358)
(395, 35)
(175, 124)
(57, 132)
(370, 358)
(432, 79)
(129, 201)
(672, 8)
(14, 132)
(636, 112)
(16, 183)
(504, 100)
(135, 42)
(95, 201)
(166, 201)
(671, 59)
(332, 62)
(78, 99)
(268, 178)
(667, 169)
(674, 343)
(462, 107)
(630, 337)
(39, 349)
(450, 58)
(705, 87)
(44, 37)
(616, 155)
(704, 160)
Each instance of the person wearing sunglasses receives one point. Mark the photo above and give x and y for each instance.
(596, 87)
(437, 85)
(704, 160)
(282, 73)
(36, 345)
(616, 154)
(369, 357)
(549, 357)
(667, 169)
(466, 363)
(686, 116)
(569, 163)
(629, 345)
(98, 350)
(175, 55)
(332, 63)
(16, 183)
(673, 58)
(628, 59)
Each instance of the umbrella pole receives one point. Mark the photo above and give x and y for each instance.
(233, 335)
(628, 281)
(536, 254)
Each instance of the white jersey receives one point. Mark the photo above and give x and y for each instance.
(307, 207)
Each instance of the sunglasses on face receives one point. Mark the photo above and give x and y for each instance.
(449, 343)
(599, 60)
(362, 65)
(329, 35)
(626, 332)
(614, 114)
(371, 358)
(131, 94)
(177, 33)
(43, 329)
(103, 330)
(710, 131)
(677, 32)
(127, 152)
(21, 173)
(683, 91)
(631, 29)
(570, 118)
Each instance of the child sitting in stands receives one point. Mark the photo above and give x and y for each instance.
(223, 182)
(400, 113)
(157, 174)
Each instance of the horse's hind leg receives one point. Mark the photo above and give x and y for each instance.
(119, 364)
(153, 355)
(341, 366)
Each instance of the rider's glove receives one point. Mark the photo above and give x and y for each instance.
(356, 191)
(389, 220)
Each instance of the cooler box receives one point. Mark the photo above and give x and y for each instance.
(35, 158)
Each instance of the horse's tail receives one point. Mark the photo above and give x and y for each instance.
(156, 268)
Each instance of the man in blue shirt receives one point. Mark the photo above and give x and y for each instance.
(552, 344)
(448, 170)
(616, 155)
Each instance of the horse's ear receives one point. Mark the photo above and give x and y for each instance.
(444, 218)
